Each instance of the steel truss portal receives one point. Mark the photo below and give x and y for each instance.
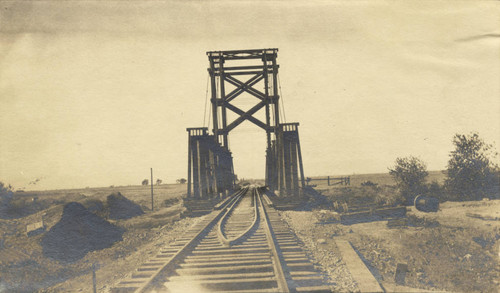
(260, 80)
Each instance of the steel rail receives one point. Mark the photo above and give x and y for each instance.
(278, 263)
(268, 259)
(230, 241)
(180, 253)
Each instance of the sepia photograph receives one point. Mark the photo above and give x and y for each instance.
(249, 146)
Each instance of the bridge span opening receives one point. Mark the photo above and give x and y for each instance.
(236, 78)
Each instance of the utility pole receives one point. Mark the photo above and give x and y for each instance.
(152, 206)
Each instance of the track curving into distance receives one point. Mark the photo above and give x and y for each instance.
(243, 247)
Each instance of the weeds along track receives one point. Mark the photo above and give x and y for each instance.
(242, 247)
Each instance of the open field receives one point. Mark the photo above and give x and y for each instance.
(377, 178)
(454, 249)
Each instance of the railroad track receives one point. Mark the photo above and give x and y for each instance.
(243, 246)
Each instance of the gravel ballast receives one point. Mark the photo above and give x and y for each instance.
(321, 248)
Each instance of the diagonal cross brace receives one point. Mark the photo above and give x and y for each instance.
(249, 118)
(246, 88)
(241, 87)
(245, 115)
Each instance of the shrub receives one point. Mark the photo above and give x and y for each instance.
(389, 199)
(436, 190)
(410, 174)
(471, 173)
(6, 196)
(368, 183)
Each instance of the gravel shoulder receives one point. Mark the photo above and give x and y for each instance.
(321, 247)
(456, 249)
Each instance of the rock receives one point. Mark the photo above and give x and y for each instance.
(321, 241)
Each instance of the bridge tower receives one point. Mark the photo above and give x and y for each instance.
(253, 72)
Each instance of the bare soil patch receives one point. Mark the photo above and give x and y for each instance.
(25, 267)
(446, 250)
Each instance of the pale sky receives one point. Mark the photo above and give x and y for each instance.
(96, 93)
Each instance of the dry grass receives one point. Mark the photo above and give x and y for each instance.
(24, 267)
(379, 178)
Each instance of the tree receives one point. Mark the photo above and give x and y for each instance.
(471, 173)
(410, 174)
(6, 195)
(158, 181)
(145, 182)
(4, 189)
(181, 180)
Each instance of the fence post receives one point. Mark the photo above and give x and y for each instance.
(328, 180)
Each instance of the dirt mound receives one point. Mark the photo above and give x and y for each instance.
(78, 232)
(120, 207)
(94, 206)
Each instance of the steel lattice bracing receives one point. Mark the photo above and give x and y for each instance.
(220, 75)
(258, 77)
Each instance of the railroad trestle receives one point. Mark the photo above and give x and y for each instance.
(210, 162)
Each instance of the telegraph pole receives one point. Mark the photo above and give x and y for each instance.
(152, 206)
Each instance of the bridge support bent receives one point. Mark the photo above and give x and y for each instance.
(284, 161)
(210, 166)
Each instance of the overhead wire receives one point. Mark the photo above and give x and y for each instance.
(206, 100)
(282, 100)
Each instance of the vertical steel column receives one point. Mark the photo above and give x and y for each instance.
(280, 157)
(287, 160)
(202, 169)
(275, 92)
(223, 100)
(213, 84)
(269, 158)
(301, 167)
(196, 182)
(266, 93)
(295, 175)
(278, 131)
(213, 172)
(189, 165)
